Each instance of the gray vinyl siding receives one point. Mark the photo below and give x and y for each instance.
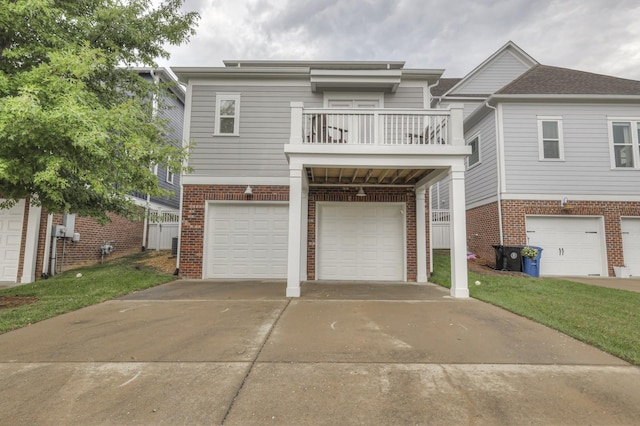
(265, 117)
(405, 97)
(495, 75)
(440, 195)
(481, 180)
(174, 113)
(586, 168)
(469, 106)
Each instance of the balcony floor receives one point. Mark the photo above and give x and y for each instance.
(365, 176)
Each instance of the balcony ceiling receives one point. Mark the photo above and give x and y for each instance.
(364, 176)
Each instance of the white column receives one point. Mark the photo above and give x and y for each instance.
(421, 235)
(303, 237)
(31, 245)
(458, 234)
(456, 127)
(295, 230)
(295, 136)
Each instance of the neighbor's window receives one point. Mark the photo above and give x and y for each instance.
(550, 138)
(227, 114)
(474, 158)
(169, 176)
(624, 144)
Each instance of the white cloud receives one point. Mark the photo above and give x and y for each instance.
(592, 35)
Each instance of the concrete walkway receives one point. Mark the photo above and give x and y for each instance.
(238, 353)
(629, 284)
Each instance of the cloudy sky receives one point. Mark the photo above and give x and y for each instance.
(600, 36)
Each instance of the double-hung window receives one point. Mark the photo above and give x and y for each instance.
(227, 114)
(474, 158)
(624, 143)
(550, 141)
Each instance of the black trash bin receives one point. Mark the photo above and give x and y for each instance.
(508, 258)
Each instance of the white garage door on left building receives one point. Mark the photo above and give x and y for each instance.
(246, 240)
(11, 221)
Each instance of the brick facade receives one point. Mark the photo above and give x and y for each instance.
(479, 221)
(483, 230)
(125, 234)
(196, 196)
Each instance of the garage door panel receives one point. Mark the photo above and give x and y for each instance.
(631, 244)
(360, 241)
(11, 221)
(571, 245)
(247, 241)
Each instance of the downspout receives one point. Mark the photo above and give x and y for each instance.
(498, 168)
(47, 247)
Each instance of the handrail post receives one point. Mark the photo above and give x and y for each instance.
(295, 136)
(377, 128)
(456, 126)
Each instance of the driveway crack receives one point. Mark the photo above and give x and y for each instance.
(253, 362)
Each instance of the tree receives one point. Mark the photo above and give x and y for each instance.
(77, 133)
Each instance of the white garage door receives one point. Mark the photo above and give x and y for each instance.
(631, 244)
(246, 241)
(572, 245)
(10, 235)
(360, 241)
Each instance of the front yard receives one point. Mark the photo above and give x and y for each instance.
(606, 318)
(30, 303)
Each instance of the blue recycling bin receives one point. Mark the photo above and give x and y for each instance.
(532, 266)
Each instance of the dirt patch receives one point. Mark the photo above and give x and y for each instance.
(14, 301)
(485, 267)
(160, 260)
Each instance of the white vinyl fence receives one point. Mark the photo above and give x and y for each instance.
(163, 228)
(440, 237)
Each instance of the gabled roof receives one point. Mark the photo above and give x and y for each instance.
(510, 47)
(547, 80)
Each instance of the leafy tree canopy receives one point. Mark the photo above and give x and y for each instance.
(77, 129)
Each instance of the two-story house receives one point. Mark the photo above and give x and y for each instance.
(312, 170)
(555, 162)
(29, 246)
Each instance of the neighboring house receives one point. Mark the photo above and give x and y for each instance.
(555, 162)
(27, 232)
(311, 170)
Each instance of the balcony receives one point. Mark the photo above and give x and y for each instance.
(375, 127)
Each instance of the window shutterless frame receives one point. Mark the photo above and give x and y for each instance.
(550, 139)
(474, 158)
(624, 143)
(227, 114)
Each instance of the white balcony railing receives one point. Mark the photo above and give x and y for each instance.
(375, 126)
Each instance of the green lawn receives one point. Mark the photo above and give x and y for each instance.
(66, 292)
(606, 318)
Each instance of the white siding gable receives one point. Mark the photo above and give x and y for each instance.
(496, 74)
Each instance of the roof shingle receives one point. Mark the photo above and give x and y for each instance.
(547, 80)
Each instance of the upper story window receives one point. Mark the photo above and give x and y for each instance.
(550, 143)
(227, 114)
(169, 176)
(624, 143)
(474, 158)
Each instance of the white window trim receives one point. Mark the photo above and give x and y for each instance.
(223, 96)
(468, 143)
(169, 176)
(353, 96)
(634, 122)
(558, 120)
(154, 169)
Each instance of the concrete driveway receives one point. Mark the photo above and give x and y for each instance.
(239, 353)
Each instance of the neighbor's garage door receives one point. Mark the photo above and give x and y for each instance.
(572, 245)
(360, 241)
(246, 241)
(10, 233)
(631, 244)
